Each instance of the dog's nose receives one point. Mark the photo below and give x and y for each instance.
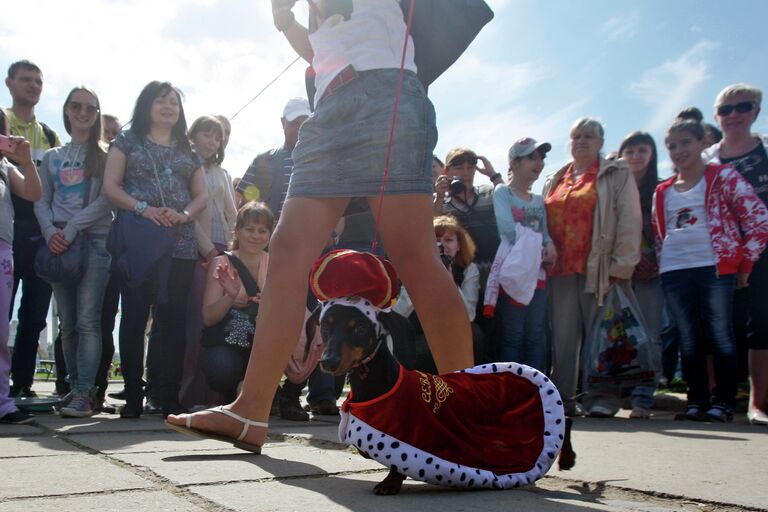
(329, 363)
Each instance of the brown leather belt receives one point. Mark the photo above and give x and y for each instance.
(346, 75)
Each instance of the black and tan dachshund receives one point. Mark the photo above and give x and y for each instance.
(352, 347)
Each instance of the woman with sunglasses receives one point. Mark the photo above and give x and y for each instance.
(72, 206)
(736, 109)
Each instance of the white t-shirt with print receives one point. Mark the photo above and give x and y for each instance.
(688, 243)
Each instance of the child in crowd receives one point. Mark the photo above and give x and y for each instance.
(226, 300)
(523, 332)
(25, 184)
(699, 217)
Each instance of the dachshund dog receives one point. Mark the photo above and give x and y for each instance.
(362, 347)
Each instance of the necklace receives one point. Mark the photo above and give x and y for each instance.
(166, 157)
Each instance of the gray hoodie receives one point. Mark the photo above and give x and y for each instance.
(62, 176)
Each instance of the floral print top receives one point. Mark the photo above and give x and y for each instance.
(570, 217)
(161, 176)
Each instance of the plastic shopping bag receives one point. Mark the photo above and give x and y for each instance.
(619, 350)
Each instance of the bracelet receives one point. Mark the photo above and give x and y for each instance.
(496, 176)
(285, 26)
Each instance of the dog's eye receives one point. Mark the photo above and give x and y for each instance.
(360, 330)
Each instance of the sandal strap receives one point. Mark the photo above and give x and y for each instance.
(245, 421)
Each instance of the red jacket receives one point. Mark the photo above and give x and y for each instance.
(732, 208)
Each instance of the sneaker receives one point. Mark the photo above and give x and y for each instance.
(692, 413)
(599, 411)
(291, 410)
(640, 413)
(80, 407)
(324, 408)
(17, 418)
(25, 392)
(719, 414)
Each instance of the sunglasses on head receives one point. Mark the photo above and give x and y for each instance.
(741, 107)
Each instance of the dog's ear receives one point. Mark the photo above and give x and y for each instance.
(310, 328)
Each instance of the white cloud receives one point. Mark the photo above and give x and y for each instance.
(118, 47)
(621, 27)
(669, 87)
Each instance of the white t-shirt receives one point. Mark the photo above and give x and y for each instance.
(372, 38)
(687, 243)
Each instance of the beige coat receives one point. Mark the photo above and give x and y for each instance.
(221, 195)
(616, 229)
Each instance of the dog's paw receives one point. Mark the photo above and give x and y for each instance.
(390, 485)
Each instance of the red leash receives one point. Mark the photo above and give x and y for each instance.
(391, 142)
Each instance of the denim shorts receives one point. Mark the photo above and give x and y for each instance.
(342, 146)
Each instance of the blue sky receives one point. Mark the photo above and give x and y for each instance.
(536, 68)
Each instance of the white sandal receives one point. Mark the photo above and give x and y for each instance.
(238, 443)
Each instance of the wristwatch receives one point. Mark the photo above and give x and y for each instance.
(139, 207)
(186, 212)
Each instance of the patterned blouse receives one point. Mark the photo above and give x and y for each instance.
(148, 164)
(570, 216)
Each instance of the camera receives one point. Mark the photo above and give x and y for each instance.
(447, 260)
(456, 186)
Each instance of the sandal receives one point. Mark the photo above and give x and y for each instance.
(237, 442)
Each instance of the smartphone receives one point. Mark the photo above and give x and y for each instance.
(7, 145)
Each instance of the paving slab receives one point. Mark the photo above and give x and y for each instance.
(109, 502)
(100, 423)
(279, 460)
(19, 430)
(354, 493)
(703, 461)
(35, 446)
(66, 474)
(144, 441)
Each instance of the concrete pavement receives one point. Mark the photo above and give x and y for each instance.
(105, 463)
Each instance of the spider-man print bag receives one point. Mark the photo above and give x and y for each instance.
(619, 352)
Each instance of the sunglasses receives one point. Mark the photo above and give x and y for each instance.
(78, 107)
(742, 108)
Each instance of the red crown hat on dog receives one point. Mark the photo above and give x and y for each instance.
(344, 273)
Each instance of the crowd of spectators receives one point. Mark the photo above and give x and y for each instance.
(160, 227)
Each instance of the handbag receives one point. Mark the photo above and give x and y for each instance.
(68, 267)
(619, 350)
(238, 325)
(442, 30)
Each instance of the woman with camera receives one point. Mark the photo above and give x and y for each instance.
(457, 195)
(593, 215)
(457, 250)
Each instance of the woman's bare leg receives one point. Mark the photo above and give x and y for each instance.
(304, 228)
(758, 380)
(409, 239)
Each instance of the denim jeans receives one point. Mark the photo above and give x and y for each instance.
(80, 315)
(651, 300)
(35, 299)
(224, 367)
(523, 331)
(699, 294)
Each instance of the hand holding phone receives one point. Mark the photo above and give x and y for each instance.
(7, 145)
